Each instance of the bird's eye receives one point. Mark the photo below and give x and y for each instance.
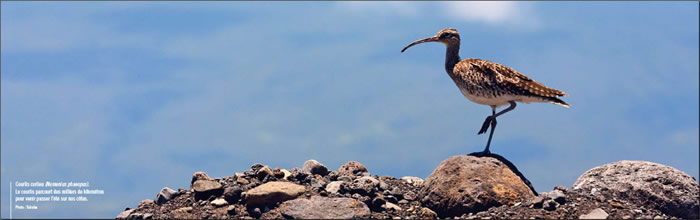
(446, 35)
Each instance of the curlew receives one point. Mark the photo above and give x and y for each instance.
(488, 83)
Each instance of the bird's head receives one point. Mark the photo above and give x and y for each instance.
(445, 36)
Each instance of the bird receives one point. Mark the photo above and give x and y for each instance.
(489, 83)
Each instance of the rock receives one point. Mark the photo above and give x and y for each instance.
(561, 188)
(537, 202)
(165, 194)
(345, 178)
(231, 209)
(352, 168)
(199, 176)
(317, 181)
(392, 206)
(645, 183)
(413, 180)
(273, 192)
(136, 215)
(597, 213)
(377, 203)
(550, 205)
(147, 216)
(314, 167)
(365, 185)
(219, 202)
(277, 173)
(146, 202)
(125, 214)
(324, 208)
(184, 209)
(383, 186)
(263, 172)
(426, 213)
(232, 194)
(205, 188)
(242, 181)
(557, 196)
(255, 212)
(335, 186)
(463, 184)
(287, 174)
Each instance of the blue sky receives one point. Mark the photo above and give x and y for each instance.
(136, 96)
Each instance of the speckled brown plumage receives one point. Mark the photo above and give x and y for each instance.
(488, 83)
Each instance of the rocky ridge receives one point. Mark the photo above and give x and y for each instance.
(461, 187)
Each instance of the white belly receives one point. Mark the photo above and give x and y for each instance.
(499, 100)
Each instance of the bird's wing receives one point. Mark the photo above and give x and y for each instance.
(497, 74)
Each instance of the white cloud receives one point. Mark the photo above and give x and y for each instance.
(492, 12)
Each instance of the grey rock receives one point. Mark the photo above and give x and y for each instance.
(365, 185)
(164, 195)
(561, 188)
(345, 178)
(383, 186)
(272, 192)
(205, 188)
(146, 202)
(324, 208)
(335, 186)
(263, 172)
(219, 202)
(537, 202)
(232, 194)
(550, 205)
(557, 196)
(199, 176)
(314, 167)
(463, 184)
(377, 203)
(597, 213)
(184, 209)
(136, 215)
(255, 213)
(148, 216)
(231, 209)
(392, 206)
(352, 168)
(416, 181)
(125, 214)
(667, 189)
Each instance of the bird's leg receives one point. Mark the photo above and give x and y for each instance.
(485, 126)
(493, 125)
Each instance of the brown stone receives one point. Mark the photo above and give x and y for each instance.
(463, 184)
(273, 192)
(352, 168)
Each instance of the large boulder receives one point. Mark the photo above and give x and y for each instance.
(324, 208)
(463, 184)
(646, 184)
(273, 192)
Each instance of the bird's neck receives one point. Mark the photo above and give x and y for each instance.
(452, 57)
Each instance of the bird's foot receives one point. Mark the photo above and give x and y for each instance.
(481, 154)
(485, 126)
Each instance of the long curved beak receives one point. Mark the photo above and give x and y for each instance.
(430, 39)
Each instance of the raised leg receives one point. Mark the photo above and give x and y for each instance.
(492, 121)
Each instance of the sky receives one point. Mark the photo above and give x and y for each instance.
(136, 96)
